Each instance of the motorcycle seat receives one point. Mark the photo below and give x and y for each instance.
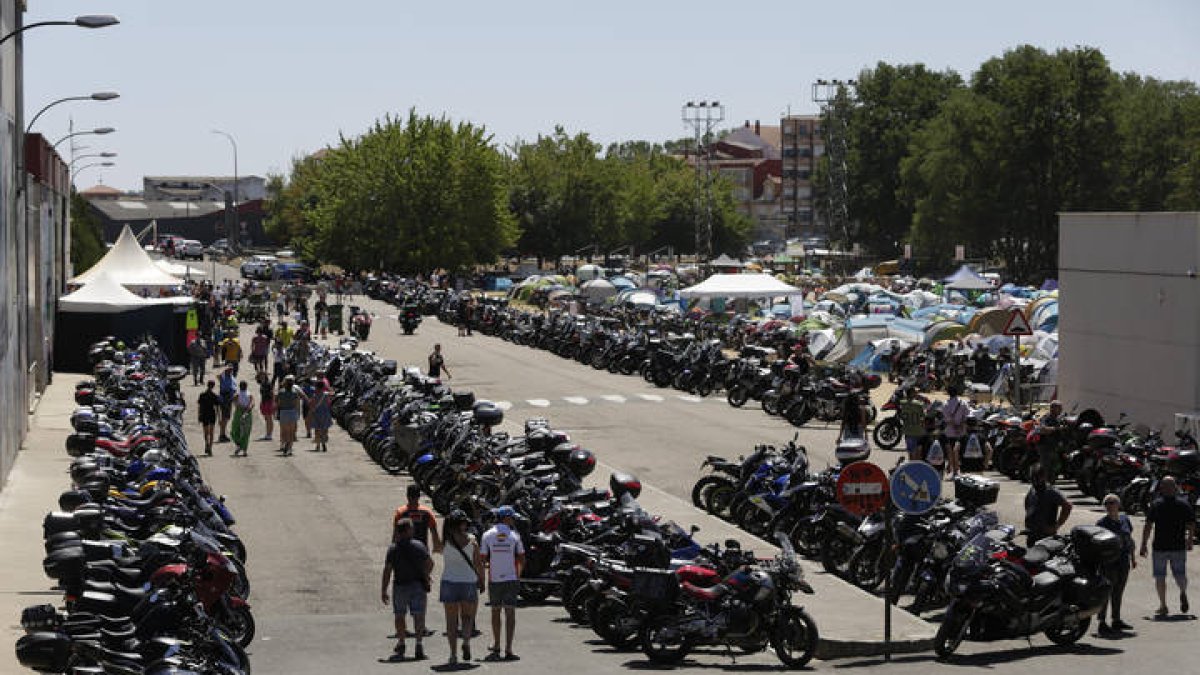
(703, 594)
(1045, 581)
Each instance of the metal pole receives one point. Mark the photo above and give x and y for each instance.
(1017, 369)
(887, 595)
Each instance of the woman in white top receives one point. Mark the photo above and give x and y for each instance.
(462, 581)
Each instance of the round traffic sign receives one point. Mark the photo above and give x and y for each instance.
(862, 488)
(916, 487)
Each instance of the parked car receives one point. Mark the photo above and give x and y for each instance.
(170, 242)
(259, 267)
(292, 271)
(190, 249)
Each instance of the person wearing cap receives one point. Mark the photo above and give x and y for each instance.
(504, 555)
(1048, 453)
(462, 580)
(1117, 571)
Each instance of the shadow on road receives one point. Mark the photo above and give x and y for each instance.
(990, 658)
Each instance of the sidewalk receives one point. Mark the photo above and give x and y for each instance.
(38, 477)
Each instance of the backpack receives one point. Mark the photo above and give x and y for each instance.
(935, 455)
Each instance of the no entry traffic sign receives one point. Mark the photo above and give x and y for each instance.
(862, 488)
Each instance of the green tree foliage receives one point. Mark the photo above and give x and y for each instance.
(410, 194)
(87, 242)
(892, 104)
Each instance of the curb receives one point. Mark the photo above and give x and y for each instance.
(832, 649)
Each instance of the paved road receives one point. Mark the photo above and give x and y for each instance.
(317, 524)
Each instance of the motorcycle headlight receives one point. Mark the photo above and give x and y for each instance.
(941, 551)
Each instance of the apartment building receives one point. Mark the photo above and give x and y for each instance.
(801, 145)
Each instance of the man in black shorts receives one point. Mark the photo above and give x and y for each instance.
(207, 405)
(412, 565)
(1173, 522)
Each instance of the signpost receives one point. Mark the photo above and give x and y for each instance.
(1016, 326)
(915, 487)
(862, 489)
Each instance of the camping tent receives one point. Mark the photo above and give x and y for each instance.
(589, 272)
(965, 279)
(739, 286)
(105, 307)
(724, 261)
(129, 265)
(597, 290)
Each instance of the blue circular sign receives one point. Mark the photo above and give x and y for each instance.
(916, 487)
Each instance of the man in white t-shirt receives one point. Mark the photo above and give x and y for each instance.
(504, 555)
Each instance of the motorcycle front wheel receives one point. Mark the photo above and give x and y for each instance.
(795, 638)
(737, 396)
(951, 633)
(614, 623)
(239, 624)
(703, 486)
(662, 641)
(888, 433)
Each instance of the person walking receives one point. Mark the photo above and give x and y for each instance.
(423, 520)
(912, 420)
(228, 390)
(287, 404)
(231, 351)
(462, 581)
(243, 419)
(207, 405)
(198, 356)
(1117, 572)
(1173, 523)
(320, 414)
(284, 335)
(504, 554)
(266, 404)
(279, 367)
(954, 414)
(411, 564)
(437, 363)
(1046, 509)
(260, 346)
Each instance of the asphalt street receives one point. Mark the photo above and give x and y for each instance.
(316, 526)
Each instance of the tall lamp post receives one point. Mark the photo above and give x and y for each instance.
(84, 21)
(234, 224)
(98, 96)
(98, 131)
(88, 166)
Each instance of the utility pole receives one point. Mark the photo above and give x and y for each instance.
(837, 192)
(702, 117)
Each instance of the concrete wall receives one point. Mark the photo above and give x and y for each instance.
(1130, 314)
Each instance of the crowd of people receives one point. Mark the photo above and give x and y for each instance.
(284, 395)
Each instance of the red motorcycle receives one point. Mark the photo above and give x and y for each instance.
(212, 576)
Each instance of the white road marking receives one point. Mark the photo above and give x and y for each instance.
(613, 398)
(651, 397)
(504, 405)
(577, 400)
(538, 402)
(689, 398)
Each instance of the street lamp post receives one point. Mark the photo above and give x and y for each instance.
(91, 155)
(99, 131)
(235, 225)
(98, 96)
(84, 21)
(88, 166)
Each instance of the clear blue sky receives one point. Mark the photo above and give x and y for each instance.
(285, 77)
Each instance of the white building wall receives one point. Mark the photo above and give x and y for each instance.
(1129, 310)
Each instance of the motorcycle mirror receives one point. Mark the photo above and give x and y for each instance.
(693, 529)
(733, 543)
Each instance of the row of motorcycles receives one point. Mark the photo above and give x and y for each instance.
(636, 580)
(956, 557)
(152, 574)
(693, 360)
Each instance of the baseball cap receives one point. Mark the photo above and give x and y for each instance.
(505, 512)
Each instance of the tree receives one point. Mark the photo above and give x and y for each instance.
(409, 195)
(87, 242)
(892, 103)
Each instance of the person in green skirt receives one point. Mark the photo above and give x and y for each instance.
(243, 419)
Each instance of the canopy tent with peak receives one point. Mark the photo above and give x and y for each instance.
(966, 279)
(129, 265)
(739, 286)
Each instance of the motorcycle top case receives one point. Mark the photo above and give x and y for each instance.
(1096, 544)
(389, 367)
(46, 652)
(976, 490)
(1183, 461)
(624, 483)
(649, 551)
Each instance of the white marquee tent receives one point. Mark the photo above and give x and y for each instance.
(739, 286)
(103, 294)
(129, 265)
(179, 269)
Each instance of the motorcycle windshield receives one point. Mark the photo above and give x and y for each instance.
(976, 555)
